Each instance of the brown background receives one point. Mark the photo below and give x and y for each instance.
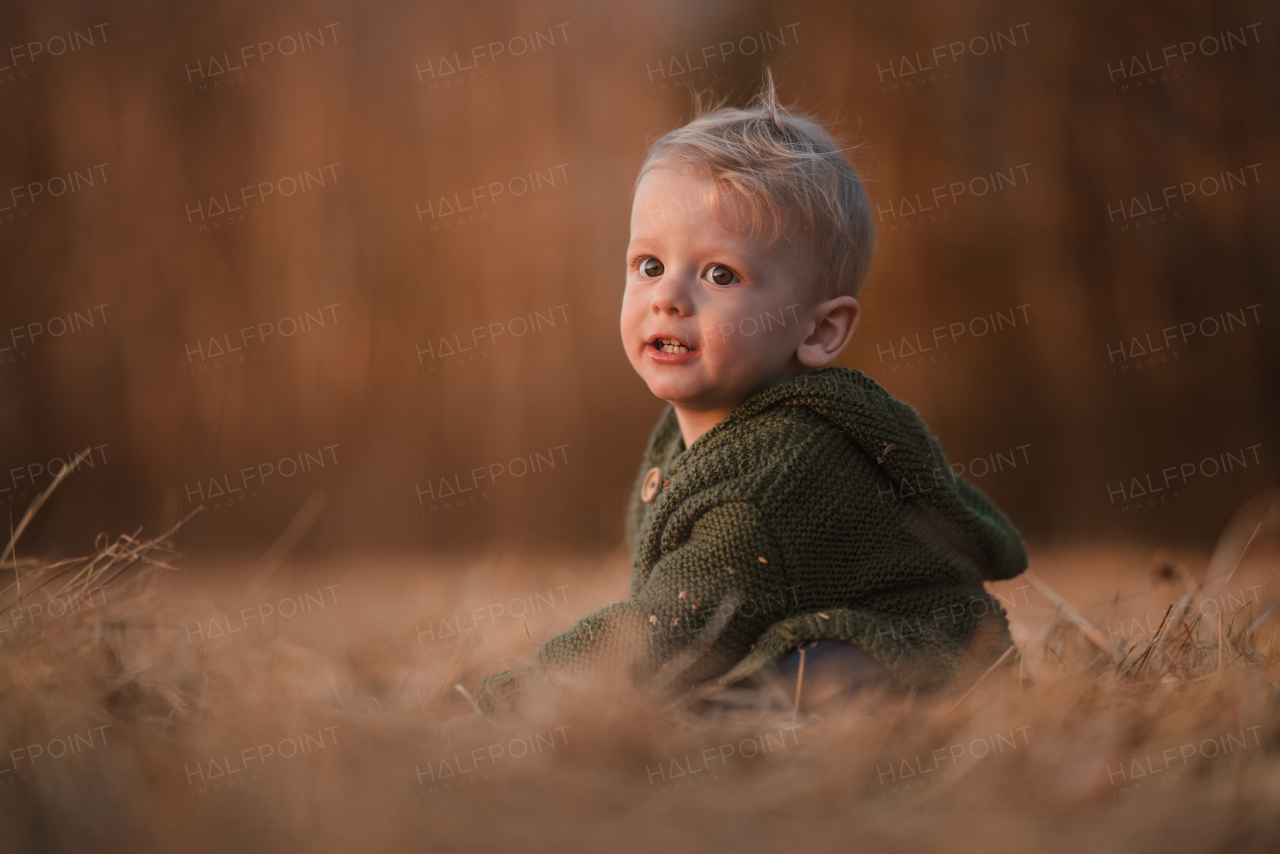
(592, 101)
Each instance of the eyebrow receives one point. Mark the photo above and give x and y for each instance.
(637, 244)
(651, 241)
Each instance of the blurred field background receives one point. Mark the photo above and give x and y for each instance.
(1059, 416)
(1045, 392)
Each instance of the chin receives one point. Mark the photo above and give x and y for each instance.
(672, 391)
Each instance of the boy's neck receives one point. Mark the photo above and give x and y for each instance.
(695, 422)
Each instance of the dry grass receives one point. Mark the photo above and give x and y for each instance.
(1139, 713)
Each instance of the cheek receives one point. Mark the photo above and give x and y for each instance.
(741, 343)
(631, 317)
(723, 332)
(735, 350)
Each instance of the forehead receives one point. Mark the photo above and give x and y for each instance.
(674, 201)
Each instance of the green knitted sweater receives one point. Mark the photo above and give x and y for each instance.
(820, 508)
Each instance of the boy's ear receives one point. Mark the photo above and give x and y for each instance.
(834, 323)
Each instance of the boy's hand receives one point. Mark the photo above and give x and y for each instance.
(499, 693)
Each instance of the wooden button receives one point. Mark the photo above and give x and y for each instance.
(651, 482)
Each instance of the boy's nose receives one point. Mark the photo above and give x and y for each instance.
(672, 295)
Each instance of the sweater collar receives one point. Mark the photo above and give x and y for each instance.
(833, 383)
(889, 430)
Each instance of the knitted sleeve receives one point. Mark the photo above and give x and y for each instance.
(696, 614)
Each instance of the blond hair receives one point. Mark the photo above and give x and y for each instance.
(790, 172)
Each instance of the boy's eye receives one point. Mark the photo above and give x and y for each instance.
(651, 267)
(722, 275)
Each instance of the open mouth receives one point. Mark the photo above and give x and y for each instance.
(671, 345)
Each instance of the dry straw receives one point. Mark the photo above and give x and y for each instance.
(1161, 741)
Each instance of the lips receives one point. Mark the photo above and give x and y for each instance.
(666, 343)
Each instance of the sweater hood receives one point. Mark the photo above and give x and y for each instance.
(949, 509)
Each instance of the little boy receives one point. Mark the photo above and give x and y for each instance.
(781, 500)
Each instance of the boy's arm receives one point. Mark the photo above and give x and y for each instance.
(697, 614)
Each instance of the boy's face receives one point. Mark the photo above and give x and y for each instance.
(738, 307)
